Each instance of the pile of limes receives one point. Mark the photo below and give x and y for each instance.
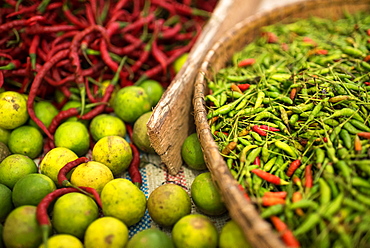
(29, 174)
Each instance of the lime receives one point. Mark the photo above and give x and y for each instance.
(140, 135)
(107, 125)
(106, 232)
(75, 104)
(4, 151)
(6, 204)
(13, 110)
(150, 238)
(63, 241)
(4, 135)
(79, 142)
(91, 174)
(2, 245)
(192, 153)
(153, 89)
(180, 61)
(54, 160)
(123, 200)
(195, 230)
(30, 189)
(73, 213)
(26, 140)
(21, 228)
(131, 102)
(14, 167)
(114, 152)
(231, 236)
(206, 196)
(168, 203)
(45, 111)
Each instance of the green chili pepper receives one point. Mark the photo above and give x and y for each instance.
(346, 138)
(347, 112)
(301, 108)
(268, 165)
(308, 224)
(350, 128)
(352, 51)
(260, 97)
(360, 125)
(272, 210)
(286, 148)
(225, 108)
(325, 192)
(293, 119)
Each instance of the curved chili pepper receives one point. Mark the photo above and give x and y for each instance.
(258, 130)
(133, 168)
(62, 174)
(293, 167)
(265, 127)
(269, 177)
(286, 234)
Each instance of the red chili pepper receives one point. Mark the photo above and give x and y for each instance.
(265, 127)
(244, 192)
(293, 93)
(279, 194)
(297, 196)
(1, 79)
(99, 109)
(62, 175)
(258, 130)
(134, 167)
(321, 51)
(365, 135)
(358, 144)
(293, 167)
(308, 176)
(269, 177)
(267, 201)
(246, 62)
(243, 87)
(257, 161)
(308, 40)
(286, 234)
(271, 37)
(367, 83)
(62, 115)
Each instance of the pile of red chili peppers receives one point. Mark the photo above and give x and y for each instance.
(290, 115)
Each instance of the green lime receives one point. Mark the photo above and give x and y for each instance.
(168, 203)
(150, 238)
(14, 167)
(26, 140)
(106, 232)
(140, 135)
(92, 174)
(54, 160)
(31, 189)
(73, 213)
(45, 111)
(195, 230)
(4, 151)
(180, 61)
(4, 135)
(74, 136)
(153, 89)
(123, 200)
(231, 236)
(21, 228)
(206, 196)
(63, 241)
(75, 104)
(13, 110)
(113, 151)
(130, 103)
(192, 153)
(107, 125)
(6, 204)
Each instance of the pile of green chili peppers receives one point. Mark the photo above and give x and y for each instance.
(309, 85)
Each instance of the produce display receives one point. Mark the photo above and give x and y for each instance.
(290, 116)
(78, 82)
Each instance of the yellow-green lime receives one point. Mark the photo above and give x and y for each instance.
(195, 231)
(206, 196)
(106, 232)
(31, 189)
(6, 204)
(168, 203)
(26, 140)
(54, 160)
(154, 90)
(140, 135)
(131, 102)
(4, 135)
(14, 167)
(123, 200)
(107, 125)
(63, 241)
(192, 153)
(92, 174)
(4, 151)
(21, 228)
(13, 110)
(114, 152)
(73, 213)
(74, 136)
(180, 61)
(45, 111)
(76, 104)
(232, 235)
(150, 238)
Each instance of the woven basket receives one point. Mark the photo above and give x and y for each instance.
(256, 230)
